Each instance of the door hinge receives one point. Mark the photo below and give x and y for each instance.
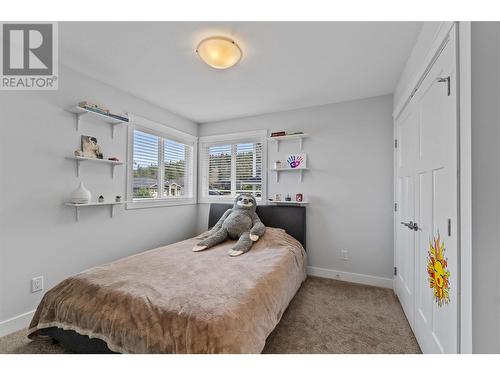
(395, 143)
(395, 271)
(395, 207)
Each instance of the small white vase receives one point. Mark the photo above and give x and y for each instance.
(80, 195)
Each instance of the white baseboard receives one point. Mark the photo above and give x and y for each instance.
(16, 323)
(357, 278)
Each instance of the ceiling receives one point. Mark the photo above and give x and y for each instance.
(285, 65)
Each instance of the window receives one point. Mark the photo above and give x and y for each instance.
(161, 166)
(232, 164)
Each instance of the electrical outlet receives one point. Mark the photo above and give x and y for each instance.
(37, 284)
(343, 255)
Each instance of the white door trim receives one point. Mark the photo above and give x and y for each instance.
(465, 185)
(464, 158)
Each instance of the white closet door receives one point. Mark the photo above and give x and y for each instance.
(436, 315)
(405, 238)
(430, 244)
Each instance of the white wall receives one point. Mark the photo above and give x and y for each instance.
(349, 187)
(485, 187)
(38, 235)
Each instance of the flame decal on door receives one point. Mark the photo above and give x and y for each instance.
(437, 268)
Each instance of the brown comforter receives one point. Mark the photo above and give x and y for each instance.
(172, 300)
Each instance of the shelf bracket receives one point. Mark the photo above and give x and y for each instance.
(277, 145)
(78, 115)
(113, 128)
(77, 213)
(112, 210)
(300, 143)
(277, 176)
(113, 170)
(77, 168)
(301, 171)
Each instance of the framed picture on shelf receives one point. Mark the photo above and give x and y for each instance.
(296, 161)
(90, 147)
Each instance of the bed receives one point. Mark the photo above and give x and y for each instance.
(172, 300)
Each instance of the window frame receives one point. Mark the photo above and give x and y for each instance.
(232, 138)
(163, 131)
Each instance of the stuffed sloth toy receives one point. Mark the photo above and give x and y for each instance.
(240, 222)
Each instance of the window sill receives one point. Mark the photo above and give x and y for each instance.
(230, 200)
(152, 203)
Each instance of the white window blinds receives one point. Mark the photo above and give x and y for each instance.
(249, 168)
(231, 167)
(218, 159)
(178, 169)
(162, 168)
(145, 165)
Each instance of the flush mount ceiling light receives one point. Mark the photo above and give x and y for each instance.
(219, 52)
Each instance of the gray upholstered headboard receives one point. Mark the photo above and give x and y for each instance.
(290, 218)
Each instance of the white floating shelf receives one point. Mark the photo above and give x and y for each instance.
(77, 206)
(79, 112)
(80, 159)
(296, 203)
(289, 169)
(279, 170)
(291, 137)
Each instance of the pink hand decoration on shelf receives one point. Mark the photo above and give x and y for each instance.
(294, 162)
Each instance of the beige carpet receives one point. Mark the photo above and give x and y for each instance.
(326, 316)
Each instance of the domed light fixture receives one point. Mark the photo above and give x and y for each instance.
(219, 52)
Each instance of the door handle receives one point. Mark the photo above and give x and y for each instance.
(411, 225)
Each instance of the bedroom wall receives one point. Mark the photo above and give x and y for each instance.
(350, 186)
(38, 234)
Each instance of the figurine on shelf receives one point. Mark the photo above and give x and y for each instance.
(113, 158)
(299, 197)
(277, 197)
(78, 153)
(101, 199)
(277, 164)
(288, 198)
(118, 198)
